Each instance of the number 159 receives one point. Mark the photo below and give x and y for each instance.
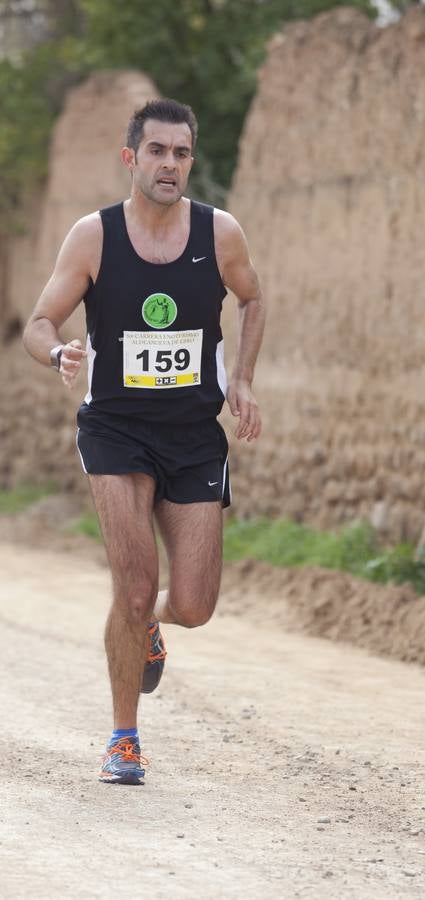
(164, 359)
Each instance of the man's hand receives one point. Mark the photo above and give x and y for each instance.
(243, 404)
(72, 356)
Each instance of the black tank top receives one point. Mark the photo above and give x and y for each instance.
(154, 342)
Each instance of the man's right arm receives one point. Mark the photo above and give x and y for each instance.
(78, 262)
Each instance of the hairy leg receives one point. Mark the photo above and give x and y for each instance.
(193, 538)
(124, 505)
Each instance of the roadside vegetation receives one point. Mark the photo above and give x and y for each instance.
(355, 548)
(87, 524)
(20, 498)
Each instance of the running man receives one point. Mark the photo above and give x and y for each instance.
(153, 272)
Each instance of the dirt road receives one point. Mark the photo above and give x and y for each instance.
(281, 765)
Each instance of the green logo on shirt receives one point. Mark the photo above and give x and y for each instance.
(159, 310)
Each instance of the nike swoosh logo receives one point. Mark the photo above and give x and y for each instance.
(212, 483)
(198, 258)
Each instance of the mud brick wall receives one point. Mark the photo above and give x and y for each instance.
(330, 189)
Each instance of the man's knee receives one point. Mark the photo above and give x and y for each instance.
(136, 597)
(193, 615)
(138, 607)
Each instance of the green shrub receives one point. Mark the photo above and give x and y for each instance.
(16, 500)
(88, 524)
(355, 549)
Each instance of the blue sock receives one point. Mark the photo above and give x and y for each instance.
(119, 733)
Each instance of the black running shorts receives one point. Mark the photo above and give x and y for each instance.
(188, 462)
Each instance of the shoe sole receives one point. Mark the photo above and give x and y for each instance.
(152, 676)
(121, 779)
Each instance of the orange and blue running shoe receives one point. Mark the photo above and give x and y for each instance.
(122, 762)
(155, 660)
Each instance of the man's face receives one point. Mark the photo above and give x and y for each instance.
(163, 161)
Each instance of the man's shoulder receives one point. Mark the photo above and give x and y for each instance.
(228, 236)
(88, 225)
(225, 225)
(86, 234)
(82, 246)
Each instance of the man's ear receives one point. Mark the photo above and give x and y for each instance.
(128, 157)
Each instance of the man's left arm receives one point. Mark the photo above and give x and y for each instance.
(239, 276)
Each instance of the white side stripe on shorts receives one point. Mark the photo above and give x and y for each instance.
(91, 356)
(221, 371)
(81, 455)
(224, 478)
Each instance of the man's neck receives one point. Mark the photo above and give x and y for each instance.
(155, 216)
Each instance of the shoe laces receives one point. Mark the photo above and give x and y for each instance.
(155, 641)
(125, 748)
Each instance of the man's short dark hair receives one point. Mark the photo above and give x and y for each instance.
(165, 110)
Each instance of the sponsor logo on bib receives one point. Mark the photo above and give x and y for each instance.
(159, 310)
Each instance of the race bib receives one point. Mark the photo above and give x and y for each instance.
(162, 359)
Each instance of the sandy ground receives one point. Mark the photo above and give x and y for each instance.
(281, 764)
